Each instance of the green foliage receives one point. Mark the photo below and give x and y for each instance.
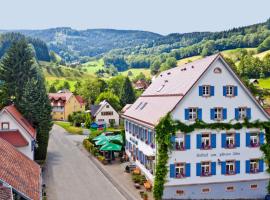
(90, 90)
(25, 86)
(111, 98)
(115, 84)
(167, 127)
(127, 93)
(69, 128)
(40, 48)
(88, 120)
(265, 45)
(77, 118)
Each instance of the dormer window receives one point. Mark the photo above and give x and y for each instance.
(5, 126)
(217, 70)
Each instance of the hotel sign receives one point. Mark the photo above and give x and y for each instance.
(206, 155)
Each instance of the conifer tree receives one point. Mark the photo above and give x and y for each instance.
(127, 93)
(24, 85)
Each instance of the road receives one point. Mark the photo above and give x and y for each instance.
(70, 175)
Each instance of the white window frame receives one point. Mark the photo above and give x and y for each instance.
(180, 170)
(206, 168)
(230, 91)
(218, 113)
(192, 114)
(206, 138)
(242, 113)
(230, 140)
(206, 91)
(230, 167)
(254, 166)
(180, 143)
(254, 139)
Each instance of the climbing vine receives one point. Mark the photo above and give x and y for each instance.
(167, 127)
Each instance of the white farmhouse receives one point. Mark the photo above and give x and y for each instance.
(105, 113)
(16, 130)
(204, 164)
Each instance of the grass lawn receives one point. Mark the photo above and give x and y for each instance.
(136, 72)
(264, 83)
(93, 66)
(261, 55)
(69, 128)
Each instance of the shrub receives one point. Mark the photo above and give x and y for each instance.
(136, 178)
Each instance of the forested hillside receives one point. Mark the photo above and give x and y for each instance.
(40, 47)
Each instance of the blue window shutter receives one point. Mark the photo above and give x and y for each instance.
(224, 91)
(198, 169)
(199, 141)
(213, 168)
(33, 145)
(248, 113)
(149, 137)
(199, 114)
(212, 113)
(187, 169)
(261, 165)
(247, 166)
(223, 140)
(236, 113)
(186, 114)
(173, 139)
(237, 167)
(172, 170)
(187, 141)
(213, 141)
(235, 91)
(212, 91)
(247, 139)
(200, 90)
(223, 167)
(224, 113)
(237, 139)
(261, 138)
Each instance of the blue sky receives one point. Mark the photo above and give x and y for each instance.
(161, 16)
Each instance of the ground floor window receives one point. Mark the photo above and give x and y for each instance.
(253, 186)
(180, 192)
(205, 190)
(230, 188)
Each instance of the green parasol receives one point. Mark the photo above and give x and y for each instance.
(111, 147)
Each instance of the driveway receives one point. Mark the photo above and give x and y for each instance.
(70, 175)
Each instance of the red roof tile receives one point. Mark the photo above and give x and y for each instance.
(80, 99)
(21, 120)
(20, 172)
(14, 137)
(5, 193)
(63, 96)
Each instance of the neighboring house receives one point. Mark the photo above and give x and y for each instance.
(16, 130)
(104, 112)
(204, 164)
(18, 174)
(65, 103)
(141, 85)
(254, 81)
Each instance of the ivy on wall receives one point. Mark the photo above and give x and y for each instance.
(167, 127)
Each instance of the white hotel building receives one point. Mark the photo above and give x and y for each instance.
(204, 164)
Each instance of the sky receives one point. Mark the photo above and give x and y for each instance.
(160, 16)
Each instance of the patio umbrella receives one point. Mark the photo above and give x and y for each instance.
(101, 136)
(111, 147)
(117, 138)
(102, 141)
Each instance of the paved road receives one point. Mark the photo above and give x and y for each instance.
(70, 175)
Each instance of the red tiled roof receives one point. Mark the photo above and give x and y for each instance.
(20, 172)
(5, 193)
(21, 120)
(80, 99)
(63, 96)
(14, 137)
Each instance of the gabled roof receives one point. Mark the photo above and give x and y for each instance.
(99, 107)
(12, 110)
(178, 80)
(79, 99)
(20, 172)
(125, 108)
(65, 96)
(14, 137)
(94, 109)
(170, 87)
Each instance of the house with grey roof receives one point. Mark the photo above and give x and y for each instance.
(105, 113)
(206, 163)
